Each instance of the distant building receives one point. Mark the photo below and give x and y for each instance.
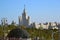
(13, 23)
(35, 25)
(58, 26)
(24, 19)
(44, 25)
(4, 21)
(52, 25)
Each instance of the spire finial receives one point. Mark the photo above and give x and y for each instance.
(24, 6)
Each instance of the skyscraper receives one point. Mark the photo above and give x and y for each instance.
(24, 19)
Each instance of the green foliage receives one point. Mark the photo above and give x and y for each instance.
(46, 34)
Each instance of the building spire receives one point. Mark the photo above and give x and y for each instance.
(24, 8)
(24, 13)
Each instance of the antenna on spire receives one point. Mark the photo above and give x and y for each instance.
(24, 6)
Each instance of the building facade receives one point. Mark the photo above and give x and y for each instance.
(24, 19)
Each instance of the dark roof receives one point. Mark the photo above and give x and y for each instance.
(18, 33)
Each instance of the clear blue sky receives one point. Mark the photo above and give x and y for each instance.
(38, 10)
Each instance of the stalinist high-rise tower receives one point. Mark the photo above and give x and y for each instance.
(24, 19)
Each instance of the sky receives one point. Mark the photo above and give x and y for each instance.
(38, 10)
